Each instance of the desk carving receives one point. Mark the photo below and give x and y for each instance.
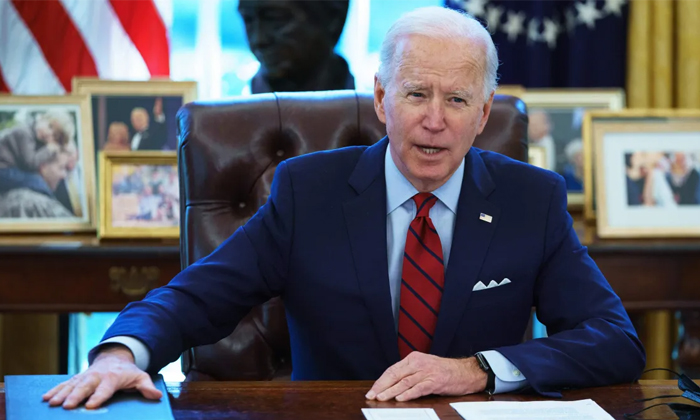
(133, 282)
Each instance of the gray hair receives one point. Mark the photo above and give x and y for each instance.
(441, 23)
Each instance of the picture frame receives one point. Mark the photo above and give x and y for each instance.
(47, 168)
(597, 117)
(537, 156)
(135, 115)
(647, 173)
(139, 195)
(556, 122)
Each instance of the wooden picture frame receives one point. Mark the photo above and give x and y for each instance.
(47, 157)
(647, 174)
(144, 212)
(562, 111)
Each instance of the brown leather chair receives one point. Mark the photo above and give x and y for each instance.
(228, 154)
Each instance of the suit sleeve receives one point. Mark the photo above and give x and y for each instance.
(205, 302)
(591, 340)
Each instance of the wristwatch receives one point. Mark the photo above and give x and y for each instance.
(491, 377)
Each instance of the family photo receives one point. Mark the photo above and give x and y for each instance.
(663, 179)
(135, 123)
(145, 196)
(41, 171)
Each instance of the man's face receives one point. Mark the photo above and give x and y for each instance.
(282, 37)
(139, 120)
(433, 107)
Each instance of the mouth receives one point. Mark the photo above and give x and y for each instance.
(430, 150)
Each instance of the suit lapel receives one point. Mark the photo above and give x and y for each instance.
(365, 217)
(470, 243)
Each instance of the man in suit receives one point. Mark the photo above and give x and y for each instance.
(148, 135)
(414, 262)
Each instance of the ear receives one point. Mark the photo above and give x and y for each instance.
(379, 94)
(486, 113)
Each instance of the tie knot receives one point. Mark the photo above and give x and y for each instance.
(424, 202)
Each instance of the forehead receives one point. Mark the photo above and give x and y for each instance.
(459, 60)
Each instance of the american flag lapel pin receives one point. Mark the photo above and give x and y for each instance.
(485, 217)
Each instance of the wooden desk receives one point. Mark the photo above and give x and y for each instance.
(343, 400)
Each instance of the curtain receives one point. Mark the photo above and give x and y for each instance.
(663, 67)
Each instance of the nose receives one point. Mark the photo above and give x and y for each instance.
(434, 119)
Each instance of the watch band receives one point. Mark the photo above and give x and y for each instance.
(490, 375)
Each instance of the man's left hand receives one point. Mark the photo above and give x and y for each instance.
(421, 374)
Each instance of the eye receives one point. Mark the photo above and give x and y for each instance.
(458, 100)
(416, 95)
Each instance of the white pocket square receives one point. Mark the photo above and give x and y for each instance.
(481, 286)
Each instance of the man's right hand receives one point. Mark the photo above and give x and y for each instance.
(112, 370)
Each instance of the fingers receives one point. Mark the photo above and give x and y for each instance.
(82, 390)
(418, 390)
(104, 391)
(399, 388)
(147, 389)
(55, 390)
(391, 377)
(60, 396)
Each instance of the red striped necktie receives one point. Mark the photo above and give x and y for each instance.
(422, 280)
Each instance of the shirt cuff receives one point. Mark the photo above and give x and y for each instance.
(142, 355)
(508, 377)
(160, 118)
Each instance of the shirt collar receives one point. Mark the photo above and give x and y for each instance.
(399, 189)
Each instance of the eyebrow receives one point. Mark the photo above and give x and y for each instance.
(462, 93)
(412, 86)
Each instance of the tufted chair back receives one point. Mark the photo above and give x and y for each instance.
(228, 154)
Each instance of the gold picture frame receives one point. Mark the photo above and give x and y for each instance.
(150, 227)
(66, 184)
(114, 103)
(570, 104)
(652, 201)
(591, 118)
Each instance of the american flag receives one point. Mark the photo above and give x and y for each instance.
(45, 43)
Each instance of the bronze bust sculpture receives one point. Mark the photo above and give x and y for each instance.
(294, 42)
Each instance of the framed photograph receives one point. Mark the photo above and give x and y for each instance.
(139, 195)
(46, 164)
(537, 156)
(555, 123)
(136, 116)
(647, 175)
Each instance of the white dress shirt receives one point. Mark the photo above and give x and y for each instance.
(401, 210)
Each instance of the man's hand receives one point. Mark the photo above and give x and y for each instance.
(422, 374)
(112, 370)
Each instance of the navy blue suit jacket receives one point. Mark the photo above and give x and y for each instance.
(320, 243)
